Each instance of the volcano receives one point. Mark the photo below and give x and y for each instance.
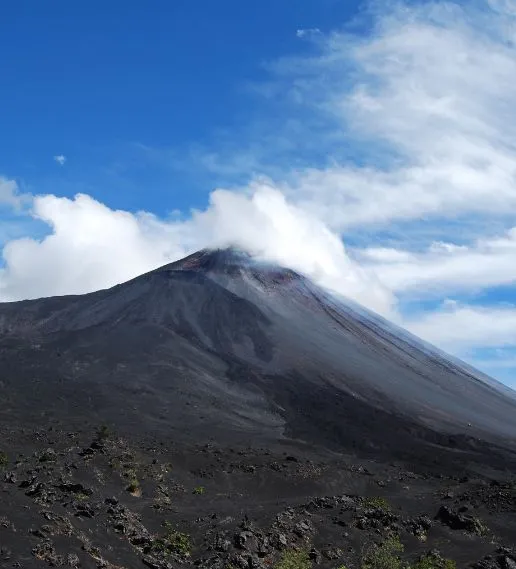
(220, 346)
(226, 412)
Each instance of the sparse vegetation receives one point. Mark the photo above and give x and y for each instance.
(385, 555)
(115, 463)
(294, 559)
(199, 490)
(173, 542)
(81, 496)
(4, 459)
(134, 486)
(434, 561)
(378, 503)
(134, 483)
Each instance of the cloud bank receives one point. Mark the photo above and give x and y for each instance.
(91, 246)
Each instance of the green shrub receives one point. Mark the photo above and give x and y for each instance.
(134, 485)
(173, 542)
(294, 559)
(388, 556)
(378, 503)
(4, 460)
(434, 561)
(385, 555)
(199, 490)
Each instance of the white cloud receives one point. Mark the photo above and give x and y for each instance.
(385, 255)
(8, 192)
(456, 327)
(91, 246)
(60, 159)
(484, 336)
(504, 6)
(446, 267)
(308, 32)
(266, 224)
(10, 195)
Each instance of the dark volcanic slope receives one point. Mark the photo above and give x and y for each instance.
(218, 345)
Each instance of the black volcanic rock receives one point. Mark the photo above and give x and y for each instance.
(221, 346)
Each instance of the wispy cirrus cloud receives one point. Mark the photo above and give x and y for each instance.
(11, 196)
(430, 92)
(8, 192)
(445, 267)
(462, 327)
(506, 7)
(307, 32)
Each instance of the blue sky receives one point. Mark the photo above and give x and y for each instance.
(371, 145)
(98, 80)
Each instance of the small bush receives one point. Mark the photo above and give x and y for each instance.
(294, 559)
(434, 561)
(378, 503)
(173, 542)
(4, 460)
(385, 556)
(134, 485)
(115, 463)
(199, 490)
